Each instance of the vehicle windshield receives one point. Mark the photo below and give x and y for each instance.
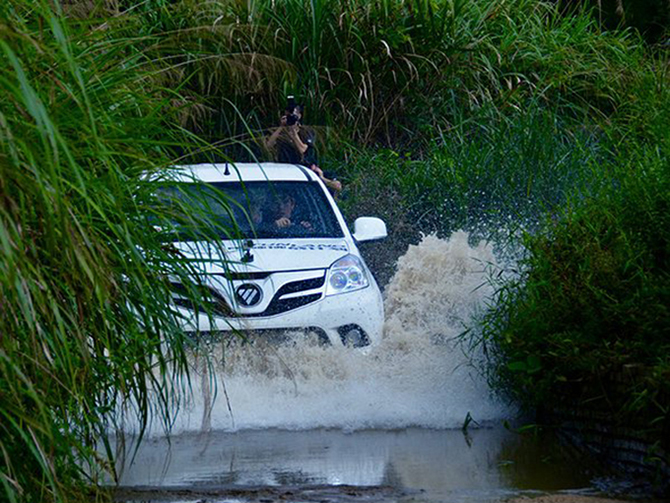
(258, 210)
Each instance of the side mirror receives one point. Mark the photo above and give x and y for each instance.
(369, 228)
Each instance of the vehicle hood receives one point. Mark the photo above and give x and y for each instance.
(269, 255)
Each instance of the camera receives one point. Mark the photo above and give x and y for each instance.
(291, 108)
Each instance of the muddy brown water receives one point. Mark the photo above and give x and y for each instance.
(413, 464)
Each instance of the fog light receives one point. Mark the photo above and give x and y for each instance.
(353, 336)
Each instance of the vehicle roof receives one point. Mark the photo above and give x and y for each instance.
(242, 171)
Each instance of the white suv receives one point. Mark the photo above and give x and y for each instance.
(290, 266)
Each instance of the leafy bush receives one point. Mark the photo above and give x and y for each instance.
(592, 297)
(86, 331)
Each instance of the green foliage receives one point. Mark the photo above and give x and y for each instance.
(650, 17)
(86, 331)
(388, 72)
(492, 173)
(592, 299)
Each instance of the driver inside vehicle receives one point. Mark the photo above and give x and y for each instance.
(285, 214)
(256, 205)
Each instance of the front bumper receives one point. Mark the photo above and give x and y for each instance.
(333, 316)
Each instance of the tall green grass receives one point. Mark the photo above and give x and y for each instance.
(390, 73)
(493, 175)
(86, 330)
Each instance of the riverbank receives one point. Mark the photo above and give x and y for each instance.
(262, 494)
(323, 494)
(571, 498)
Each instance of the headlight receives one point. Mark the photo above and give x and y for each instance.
(346, 275)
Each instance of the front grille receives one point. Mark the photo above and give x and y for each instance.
(244, 276)
(282, 305)
(211, 301)
(278, 305)
(301, 286)
(214, 303)
(204, 307)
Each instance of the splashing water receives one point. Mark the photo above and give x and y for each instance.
(419, 375)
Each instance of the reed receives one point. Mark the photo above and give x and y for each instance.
(86, 330)
(390, 73)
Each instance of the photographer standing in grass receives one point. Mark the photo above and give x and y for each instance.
(293, 144)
